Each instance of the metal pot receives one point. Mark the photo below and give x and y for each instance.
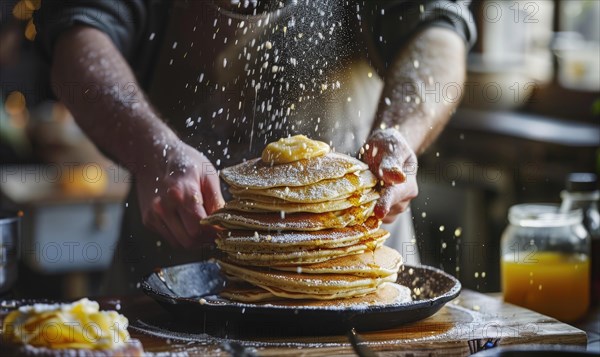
(10, 232)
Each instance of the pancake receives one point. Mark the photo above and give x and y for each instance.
(277, 205)
(314, 284)
(290, 222)
(342, 294)
(381, 262)
(387, 293)
(322, 191)
(302, 257)
(256, 174)
(245, 292)
(249, 241)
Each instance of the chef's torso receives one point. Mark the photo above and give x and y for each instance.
(230, 79)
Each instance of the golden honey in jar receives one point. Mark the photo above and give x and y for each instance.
(544, 261)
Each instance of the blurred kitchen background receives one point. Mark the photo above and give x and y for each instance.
(530, 115)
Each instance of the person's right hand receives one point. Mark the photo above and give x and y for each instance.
(176, 192)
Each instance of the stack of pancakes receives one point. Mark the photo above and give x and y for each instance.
(304, 230)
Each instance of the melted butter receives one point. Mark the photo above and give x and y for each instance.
(354, 179)
(80, 325)
(355, 200)
(292, 149)
(371, 245)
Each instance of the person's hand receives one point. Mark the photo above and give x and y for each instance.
(392, 160)
(176, 192)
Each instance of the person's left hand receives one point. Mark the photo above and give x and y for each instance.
(392, 160)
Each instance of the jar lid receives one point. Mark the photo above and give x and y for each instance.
(582, 182)
(542, 215)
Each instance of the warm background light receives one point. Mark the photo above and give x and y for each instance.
(23, 10)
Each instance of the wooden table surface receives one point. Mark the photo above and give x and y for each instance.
(469, 321)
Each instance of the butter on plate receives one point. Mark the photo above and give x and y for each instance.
(78, 325)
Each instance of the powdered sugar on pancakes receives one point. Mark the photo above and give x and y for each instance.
(260, 175)
(252, 205)
(243, 240)
(322, 191)
(291, 222)
(301, 257)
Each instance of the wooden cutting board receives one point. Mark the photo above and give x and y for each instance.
(459, 329)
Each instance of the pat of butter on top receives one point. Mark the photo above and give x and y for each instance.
(292, 149)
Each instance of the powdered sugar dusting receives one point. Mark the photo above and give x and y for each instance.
(257, 174)
(321, 191)
(293, 238)
(253, 204)
(300, 257)
(297, 221)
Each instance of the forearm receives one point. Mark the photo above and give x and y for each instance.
(96, 84)
(422, 87)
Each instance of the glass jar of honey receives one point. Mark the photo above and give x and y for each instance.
(545, 263)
